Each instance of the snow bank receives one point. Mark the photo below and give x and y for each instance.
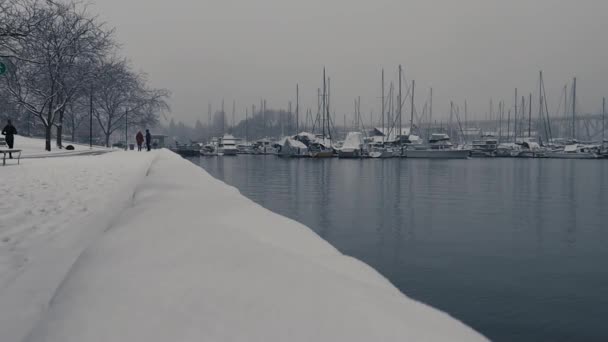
(193, 260)
(50, 211)
(34, 148)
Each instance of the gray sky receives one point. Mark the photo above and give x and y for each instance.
(243, 50)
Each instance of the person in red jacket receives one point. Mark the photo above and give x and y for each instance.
(140, 140)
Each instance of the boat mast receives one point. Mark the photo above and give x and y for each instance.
(412, 108)
(449, 128)
(382, 110)
(359, 122)
(223, 119)
(540, 102)
(530, 116)
(509, 125)
(466, 113)
(603, 118)
(400, 108)
(565, 101)
(515, 117)
(323, 99)
(430, 114)
(523, 117)
(328, 108)
(297, 108)
(574, 109)
(500, 121)
(246, 125)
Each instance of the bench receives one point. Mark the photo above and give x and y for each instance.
(5, 150)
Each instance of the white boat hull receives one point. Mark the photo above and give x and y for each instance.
(437, 154)
(228, 152)
(562, 155)
(349, 153)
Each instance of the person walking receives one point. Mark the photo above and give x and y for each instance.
(148, 140)
(139, 138)
(9, 132)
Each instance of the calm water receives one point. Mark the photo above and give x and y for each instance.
(517, 249)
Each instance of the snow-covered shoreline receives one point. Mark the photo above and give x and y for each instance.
(51, 209)
(191, 259)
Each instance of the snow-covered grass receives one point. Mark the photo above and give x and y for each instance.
(34, 148)
(191, 259)
(50, 210)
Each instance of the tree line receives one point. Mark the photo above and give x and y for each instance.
(63, 67)
(267, 123)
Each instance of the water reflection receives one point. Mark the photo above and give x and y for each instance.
(515, 248)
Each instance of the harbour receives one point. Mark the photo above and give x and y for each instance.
(513, 247)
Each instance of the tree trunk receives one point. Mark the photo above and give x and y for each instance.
(73, 129)
(59, 133)
(60, 130)
(49, 133)
(108, 139)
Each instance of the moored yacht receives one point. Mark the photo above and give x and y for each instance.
(575, 151)
(485, 147)
(439, 147)
(227, 146)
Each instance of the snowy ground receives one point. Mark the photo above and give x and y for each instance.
(134, 246)
(34, 148)
(50, 210)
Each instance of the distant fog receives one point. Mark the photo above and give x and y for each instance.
(476, 50)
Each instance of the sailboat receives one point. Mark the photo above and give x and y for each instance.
(379, 149)
(439, 147)
(322, 147)
(574, 150)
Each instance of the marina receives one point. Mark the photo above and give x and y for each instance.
(514, 247)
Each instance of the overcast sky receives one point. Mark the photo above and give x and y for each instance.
(245, 50)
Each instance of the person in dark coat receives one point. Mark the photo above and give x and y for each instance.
(9, 132)
(139, 138)
(148, 140)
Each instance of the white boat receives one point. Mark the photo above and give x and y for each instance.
(209, 150)
(439, 147)
(227, 146)
(245, 148)
(352, 147)
(381, 151)
(575, 151)
(292, 148)
(485, 147)
(264, 147)
(530, 149)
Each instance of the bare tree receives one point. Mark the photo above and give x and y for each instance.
(122, 97)
(49, 67)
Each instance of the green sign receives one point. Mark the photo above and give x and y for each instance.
(2, 68)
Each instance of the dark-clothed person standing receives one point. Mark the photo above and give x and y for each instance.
(9, 132)
(148, 140)
(139, 138)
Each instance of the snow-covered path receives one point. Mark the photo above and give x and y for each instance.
(193, 260)
(34, 148)
(50, 210)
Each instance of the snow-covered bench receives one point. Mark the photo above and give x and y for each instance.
(5, 150)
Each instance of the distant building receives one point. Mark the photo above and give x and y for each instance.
(158, 141)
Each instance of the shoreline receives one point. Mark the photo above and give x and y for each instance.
(192, 259)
